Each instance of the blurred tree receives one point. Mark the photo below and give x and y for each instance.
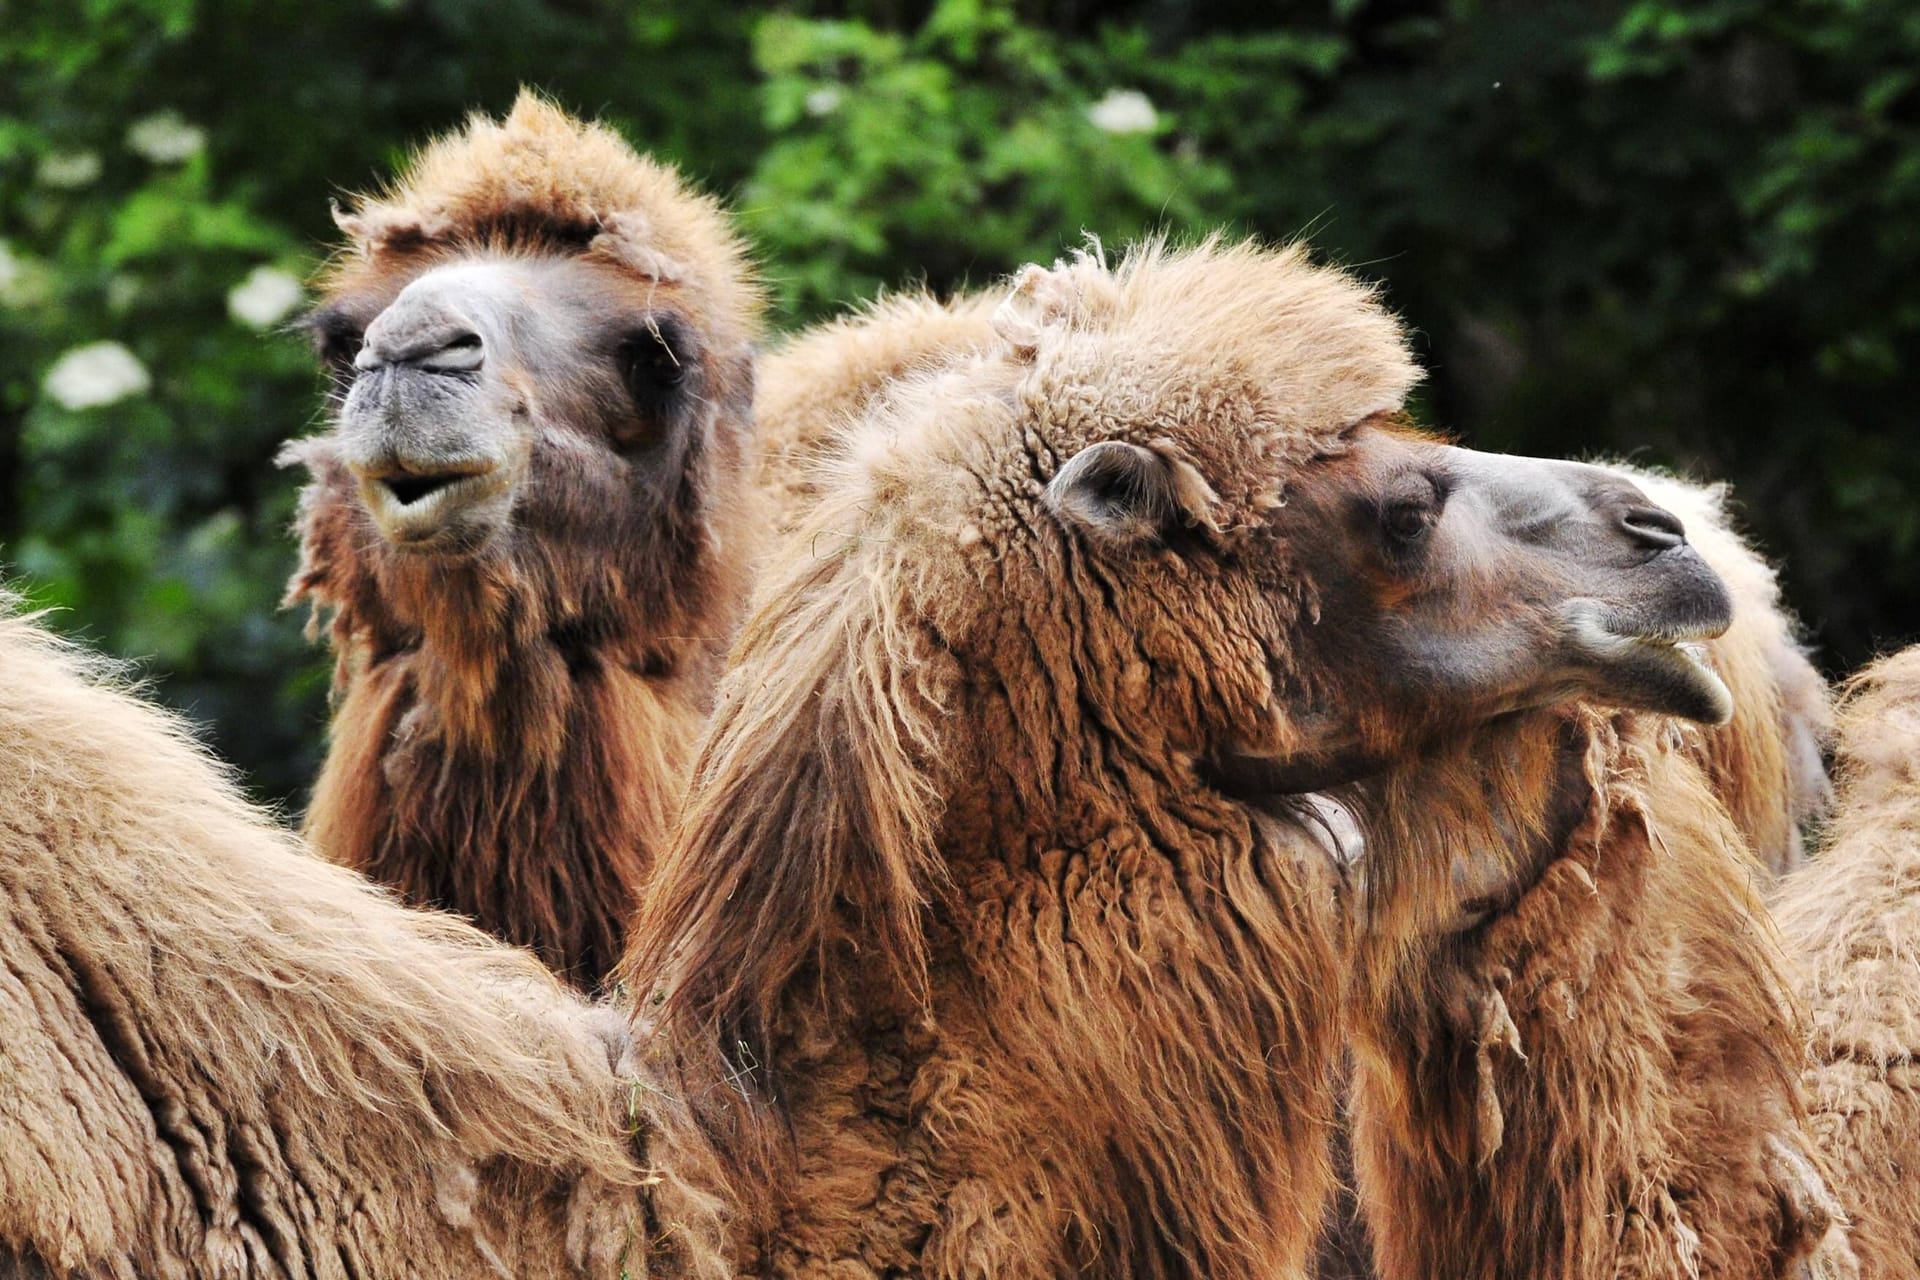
(1689, 232)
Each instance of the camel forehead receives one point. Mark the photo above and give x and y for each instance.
(1196, 342)
(540, 181)
(468, 286)
(504, 290)
(1249, 361)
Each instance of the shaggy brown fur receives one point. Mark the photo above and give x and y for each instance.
(995, 985)
(1766, 764)
(514, 723)
(513, 726)
(1587, 1068)
(225, 1057)
(1851, 918)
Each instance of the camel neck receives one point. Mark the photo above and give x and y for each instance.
(533, 803)
(1546, 1059)
(1116, 1035)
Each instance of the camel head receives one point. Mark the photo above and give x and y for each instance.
(541, 351)
(1451, 586)
(1313, 589)
(496, 392)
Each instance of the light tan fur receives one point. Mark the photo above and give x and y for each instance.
(1851, 918)
(817, 384)
(1768, 766)
(224, 1057)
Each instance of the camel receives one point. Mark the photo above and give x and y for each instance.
(1764, 765)
(1767, 763)
(988, 942)
(226, 1057)
(1849, 919)
(531, 521)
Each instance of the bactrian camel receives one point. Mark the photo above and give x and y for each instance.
(984, 946)
(225, 1057)
(1765, 763)
(531, 520)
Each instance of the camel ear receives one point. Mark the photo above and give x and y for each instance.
(1128, 494)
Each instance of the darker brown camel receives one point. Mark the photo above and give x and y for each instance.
(981, 948)
(530, 522)
(1765, 770)
(1764, 765)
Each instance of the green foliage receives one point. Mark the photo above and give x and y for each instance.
(958, 150)
(1685, 231)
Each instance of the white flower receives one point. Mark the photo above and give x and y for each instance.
(69, 169)
(165, 138)
(265, 298)
(24, 281)
(1124, 111)
(96, 374)
(823, 102)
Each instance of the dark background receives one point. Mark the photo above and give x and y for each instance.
(1684, 233)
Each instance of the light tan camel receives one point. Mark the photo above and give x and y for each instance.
(225, 1057)
(531, 520)
(1851, 918)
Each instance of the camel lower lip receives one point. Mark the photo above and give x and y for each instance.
(440, 516)
(1688, 664)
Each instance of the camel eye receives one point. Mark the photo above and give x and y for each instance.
(1408, 514)
(336, 341)
(654, 362)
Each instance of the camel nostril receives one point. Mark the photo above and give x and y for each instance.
(460, 353)
(1654, 526)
